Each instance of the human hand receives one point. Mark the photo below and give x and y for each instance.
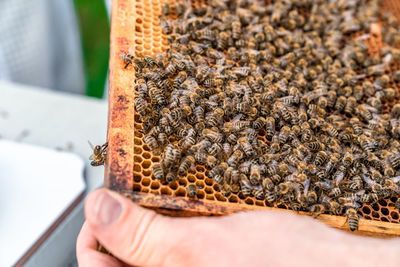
(140, 237)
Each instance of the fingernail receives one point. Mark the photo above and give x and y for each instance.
(107, 209)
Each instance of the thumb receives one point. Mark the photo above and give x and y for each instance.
(133, 234)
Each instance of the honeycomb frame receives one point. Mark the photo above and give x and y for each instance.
(135, 29)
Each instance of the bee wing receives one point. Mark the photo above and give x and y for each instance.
(92, 147)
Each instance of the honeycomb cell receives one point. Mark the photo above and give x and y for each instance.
(208, 190)
(155, 185)
(216, 187)
(210, 197)
(249, 201)
(146, 147)
(147, 47)
(173, 185)
(139, 48)
(137, 168)
(182, 182)
(384, 219)
(233, 199)
(259, 203)
(394, 215)
(375, 214)
(199, 184)
(166, 191)
(208, 181)
(155, 159)
(375, 207)
(181, 192)
(200, 194)
(137, 187)
(241, 196)
(146, 181)
(138, 142)
(146, 164)
(147, 172)
(383, 202)
(146, 155)
(200, 176)
(191, 178)
(137, 150)
(366, 210)
(385, 211)
(138, 28)
(137, 178)
(200, 168)
(145, 190)
(137, 159)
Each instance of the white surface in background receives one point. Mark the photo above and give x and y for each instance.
(36, 186)
(52, 119)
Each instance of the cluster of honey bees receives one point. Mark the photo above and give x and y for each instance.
(282, 102)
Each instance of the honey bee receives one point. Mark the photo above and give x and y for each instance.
(320, 158)
(317, 209)
(394, 160)
(352, 219)
(214, 136)
(127, 59)
(247, 147)
(275, 147)
(186, 164)
(165, 9)
(340, 103)
(284, 135)
(316, 146)
(255, 175)
(158, 171)
(270, 128)
(191, 190)
(99, 155)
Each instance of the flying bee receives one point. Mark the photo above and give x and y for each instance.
(99, 154)
(158, 171)
(352, 218)
(191, 190)
(186, 164)
(127, 59)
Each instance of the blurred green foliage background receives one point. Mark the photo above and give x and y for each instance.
(94, 27)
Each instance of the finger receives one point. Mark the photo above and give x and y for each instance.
(136, 235)
(86, 251)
